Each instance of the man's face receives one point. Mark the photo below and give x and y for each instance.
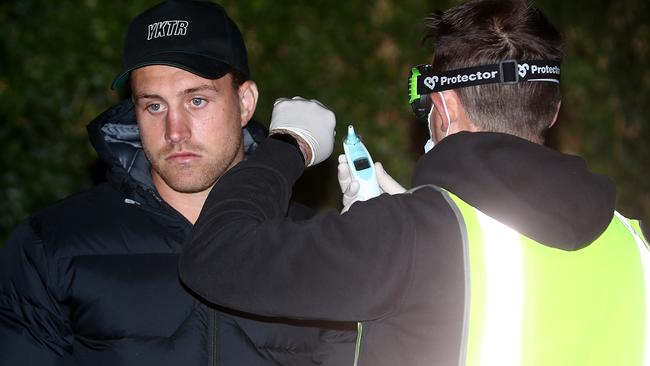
(190, 126)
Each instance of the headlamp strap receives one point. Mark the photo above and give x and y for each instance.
(425, 81)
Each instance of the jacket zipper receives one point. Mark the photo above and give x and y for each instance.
(172, 211)
(212, 317)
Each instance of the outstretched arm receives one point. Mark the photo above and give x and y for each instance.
(245, 253)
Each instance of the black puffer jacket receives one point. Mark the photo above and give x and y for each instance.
(92, 280)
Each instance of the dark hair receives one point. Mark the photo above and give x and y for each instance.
(482, 32)
(238, 78)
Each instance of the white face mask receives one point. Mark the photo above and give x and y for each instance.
(430, 143)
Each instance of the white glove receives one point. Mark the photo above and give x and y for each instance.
(350, 187)
(386, 182)
(309, 120)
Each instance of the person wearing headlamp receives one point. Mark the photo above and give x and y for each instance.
(505, 252)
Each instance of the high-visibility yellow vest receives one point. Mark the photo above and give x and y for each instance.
(528, 304)
(533, 305)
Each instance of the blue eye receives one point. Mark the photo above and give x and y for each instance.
(155, 107)
(197, 102)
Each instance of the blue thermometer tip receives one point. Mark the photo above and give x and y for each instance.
(352, 137)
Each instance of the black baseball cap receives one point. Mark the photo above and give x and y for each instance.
(197, 36)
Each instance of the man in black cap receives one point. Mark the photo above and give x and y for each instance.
(505, 252)
(92, 280)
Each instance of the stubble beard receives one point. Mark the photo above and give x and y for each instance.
(198, 176)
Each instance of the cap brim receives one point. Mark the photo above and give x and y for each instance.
(202, 66)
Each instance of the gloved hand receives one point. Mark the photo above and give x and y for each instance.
(350, 187)
(308, 120)
(386, 182)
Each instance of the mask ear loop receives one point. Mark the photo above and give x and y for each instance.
(430, 143)
(429, 120)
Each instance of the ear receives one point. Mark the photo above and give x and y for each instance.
(248, 95)
(557, 113)
(452, 102)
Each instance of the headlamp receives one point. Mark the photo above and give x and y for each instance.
(424, 81)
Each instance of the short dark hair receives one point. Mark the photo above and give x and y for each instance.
(238, 78)
(482, 32)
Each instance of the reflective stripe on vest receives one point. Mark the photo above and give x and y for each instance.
(532, 305)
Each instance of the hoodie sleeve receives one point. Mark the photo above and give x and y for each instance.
(33, 330)
(245, 252)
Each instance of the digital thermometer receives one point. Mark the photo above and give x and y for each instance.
(362, 168)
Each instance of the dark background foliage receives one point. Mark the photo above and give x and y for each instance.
(57, 59)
